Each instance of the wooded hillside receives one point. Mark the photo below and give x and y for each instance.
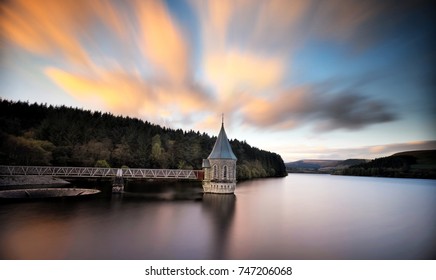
(37, 134)
(411, 164)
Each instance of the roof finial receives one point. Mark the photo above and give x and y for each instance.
(222, 119)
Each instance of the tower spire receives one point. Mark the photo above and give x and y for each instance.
(220, 166)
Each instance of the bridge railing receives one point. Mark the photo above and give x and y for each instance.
(58, 171)
(100, 172)
(160, 173)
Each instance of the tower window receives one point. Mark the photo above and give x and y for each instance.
(215, 171)
(225, 172)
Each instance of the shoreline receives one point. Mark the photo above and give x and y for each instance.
(22, 180)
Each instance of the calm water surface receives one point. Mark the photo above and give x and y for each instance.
(298, 217)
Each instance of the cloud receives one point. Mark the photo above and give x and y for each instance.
(114, 91)
(299, 106)
(283, 111)
(235, 71)
(89, 69)
(371, 152)
(44, 29)
(400, 147)
(246, 58)
(341, 20)
(247, 44)
(52, 28)
(352, 111)
(364, 152)
(67, 29)
(162, 41)
(282, 25)
(256, 24)
(128, 94)
(359, 24)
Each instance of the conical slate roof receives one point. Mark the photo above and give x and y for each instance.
(222, 149)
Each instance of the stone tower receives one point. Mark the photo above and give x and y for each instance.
(220, 167)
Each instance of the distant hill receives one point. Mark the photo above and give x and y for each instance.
(410, 164)
(310, 164)
(320, 166)
(425, 157)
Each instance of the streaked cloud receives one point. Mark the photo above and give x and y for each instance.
(234, 71)
(186, 62)
(112, 91)
(162, 41)
(65, 30)
(365, 152)
(128, 94)
(45, 29)
(352, 111)
(247, 45)
(389, 149)
(327, 111)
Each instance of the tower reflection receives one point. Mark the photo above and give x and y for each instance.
(221, 209)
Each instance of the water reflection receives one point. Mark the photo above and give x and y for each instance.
(36, 230)
(221, 210)
(298, 217)
(162, 190)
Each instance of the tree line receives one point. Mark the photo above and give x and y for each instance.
(41, 134)
(399, 166)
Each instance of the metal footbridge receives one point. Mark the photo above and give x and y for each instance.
(98, 172)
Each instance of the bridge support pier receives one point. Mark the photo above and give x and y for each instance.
(118, 183)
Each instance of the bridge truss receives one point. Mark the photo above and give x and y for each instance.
(98, 172)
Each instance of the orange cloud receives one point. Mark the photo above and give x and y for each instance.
(258, 24)
(235, 71)
(110, 15)
(53, 27)
(215, 18)
(283, 111)
(128, 94)
(246, 45)
(47, 28)
(62, 29)
(115, 91)
(162, 41)
(376, 149)
(238, 78)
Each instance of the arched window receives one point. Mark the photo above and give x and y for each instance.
(225, 172)
(215, 172)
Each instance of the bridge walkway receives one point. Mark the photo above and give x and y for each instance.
(99, 172)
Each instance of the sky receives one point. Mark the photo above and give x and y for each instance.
(307, 79)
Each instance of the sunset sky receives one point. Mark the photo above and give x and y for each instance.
(331, 79)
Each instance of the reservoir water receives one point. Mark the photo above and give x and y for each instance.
(301, 216)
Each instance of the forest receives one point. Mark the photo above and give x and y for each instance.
(41, 134)
(411, 164)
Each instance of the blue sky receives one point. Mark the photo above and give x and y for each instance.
(306, 79)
